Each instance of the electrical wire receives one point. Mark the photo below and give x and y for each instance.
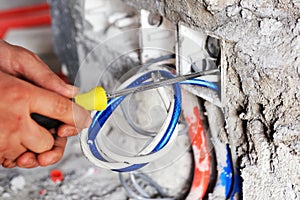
(161, 141)
(139, 193)
(159, 144)
(156, 60)
(201, 83)
(147, 178)
(100, 155)
(124, 110)
(197, 82)
(137, 186)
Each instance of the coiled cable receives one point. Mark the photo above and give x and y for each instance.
(99, 154)
(139, 193)
(159, 144)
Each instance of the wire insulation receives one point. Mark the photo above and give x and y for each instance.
(100, 157)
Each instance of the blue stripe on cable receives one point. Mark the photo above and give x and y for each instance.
(101, 117)
(200, 82)
(172, 125)
(175, 116)
(226, 178)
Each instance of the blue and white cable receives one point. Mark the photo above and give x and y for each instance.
(100, 155)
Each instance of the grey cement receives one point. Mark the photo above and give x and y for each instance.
(261, 48)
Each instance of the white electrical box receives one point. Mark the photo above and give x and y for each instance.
(157, 36)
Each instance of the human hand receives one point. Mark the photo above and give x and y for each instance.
(23, 142)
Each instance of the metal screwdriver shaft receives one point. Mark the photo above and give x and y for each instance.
(96, 99)
(159, 84)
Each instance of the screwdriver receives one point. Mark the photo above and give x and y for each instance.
(96, 98)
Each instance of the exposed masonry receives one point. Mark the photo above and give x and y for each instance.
(261, 49)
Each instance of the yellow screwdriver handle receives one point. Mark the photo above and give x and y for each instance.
(95, 99)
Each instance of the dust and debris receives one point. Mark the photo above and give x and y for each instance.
(262, 107)
(81, 180)
(17, 183)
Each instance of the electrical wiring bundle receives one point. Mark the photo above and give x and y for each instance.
(99, 153)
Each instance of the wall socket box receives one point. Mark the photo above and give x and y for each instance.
(157, 36)
(197, 51)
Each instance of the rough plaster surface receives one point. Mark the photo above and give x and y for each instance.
(261, 48)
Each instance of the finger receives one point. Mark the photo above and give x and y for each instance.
(14, 152)
(9, 163)
(15, 149)
(19, 61)
(58, 107)
(66, 131)
(29, 65)
(27, 160)
(11, 147)
(54, 155)
(37, 139)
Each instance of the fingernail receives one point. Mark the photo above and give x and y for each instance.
(82, 117)
(30, 162)
(72, 89)
(75, 89)
(48, 161)
(88, 121)
(68, 132)
(10, 165)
